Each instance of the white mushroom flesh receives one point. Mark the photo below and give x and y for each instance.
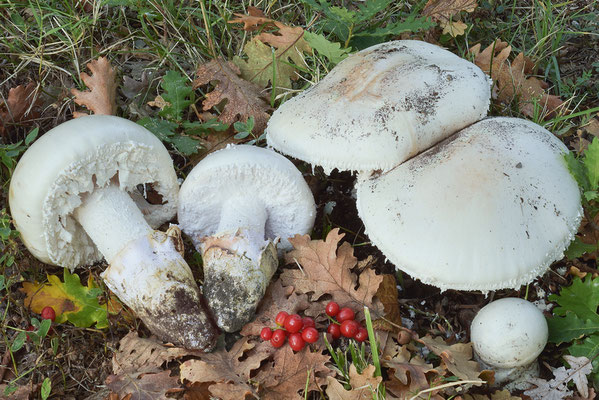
(71, 160)
(236, 204)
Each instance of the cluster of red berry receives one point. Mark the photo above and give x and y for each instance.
(343, 323)
(298, 330)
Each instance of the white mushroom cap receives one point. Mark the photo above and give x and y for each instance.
(381, 106)
(70, 160)
(489, 208)
(258, 175)
(509, 333)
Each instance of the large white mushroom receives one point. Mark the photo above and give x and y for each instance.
(74, 198)
(381, 106)
(235, 205)
(489, 208)
(507, 336)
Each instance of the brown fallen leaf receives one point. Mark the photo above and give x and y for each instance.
(142, 355)
(512, 81)
(363, 386)
(409, 371)
(277, 298)
(22, 104)
(288, 373)
(23, 392)
(446, 13)
(198, 391)
(229, 370)
(263, 63)
(101, 96)
(444, 10)
(457, 358)
(387, 293)
(496, 395)
(144, 386)
(326, 270)
(254, 19)
(243, 99)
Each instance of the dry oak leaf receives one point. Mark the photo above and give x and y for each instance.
(254, 19)
(244, 99)
(444, 10)
(288, 373)
(387, 294)
(20, 100)
(100, 99)
(144, 386)
(497, 395)
(511, 80)
(326, 270)
(261, 64)
(229, 370)
(457, 358)
(139, 354)
(277, 298)
(410, 371)
(363, 386)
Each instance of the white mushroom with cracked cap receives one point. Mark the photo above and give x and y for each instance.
(381, 106)
(507, 336)
(488, 208)
(234, 205)
(74, 199)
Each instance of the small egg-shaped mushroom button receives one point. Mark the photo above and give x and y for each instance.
(75, 198)
(507, 337)
(489, 208)
(381, 106)
(235, 205)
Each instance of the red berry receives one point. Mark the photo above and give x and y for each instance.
(48, 313)
(345, 314)
(334, 330)
(362, 334)
(296, 342)
(266, 333)
(30, 328)
(310, 334)
(332, 309)
(308, 322)
(280, 318)
(294, 323)
(349, 328)
(278, 338)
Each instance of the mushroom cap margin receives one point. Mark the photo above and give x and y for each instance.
(380, 106)
(65, 162)
(488, 208)
(252, 171)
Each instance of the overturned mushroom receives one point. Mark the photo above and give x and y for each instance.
(74, 199)
(507, 336)
(381, 106)
(489, 208)
(235, 204)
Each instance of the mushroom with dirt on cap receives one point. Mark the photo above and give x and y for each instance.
(488, 208)
(74, 198)
(381, 106)
(507, 336)
(235, 205)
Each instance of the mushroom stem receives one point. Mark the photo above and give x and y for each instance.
(245, 217)
(111, 219)
(147, 270)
